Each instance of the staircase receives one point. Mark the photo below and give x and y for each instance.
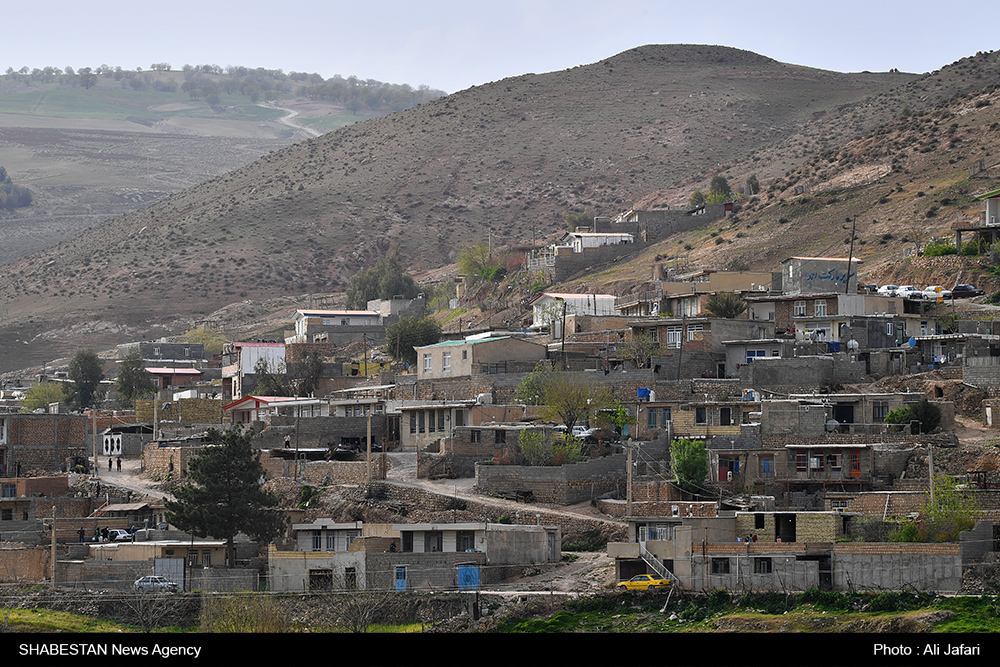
(657, 566)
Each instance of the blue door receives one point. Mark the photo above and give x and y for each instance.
(400, 577)
(468, 577)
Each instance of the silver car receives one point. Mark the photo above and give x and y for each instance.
(154, 582)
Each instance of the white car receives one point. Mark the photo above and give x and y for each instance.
(936, 292)
(887, 290)
(910, 292)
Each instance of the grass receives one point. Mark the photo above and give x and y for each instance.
(46, 620)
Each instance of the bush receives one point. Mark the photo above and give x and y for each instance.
(939, 249)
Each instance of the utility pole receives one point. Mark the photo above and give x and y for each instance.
(628, 480)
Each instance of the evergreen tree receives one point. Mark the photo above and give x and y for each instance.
(411, 332)
(86, 373)
(133, 381)
(385, 280)
(222, 495)
(690, 463)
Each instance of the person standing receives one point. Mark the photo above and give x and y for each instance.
(109, 464)
(119, 464)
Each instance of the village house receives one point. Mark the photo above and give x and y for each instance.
(428, 556)
(41, 441)
(694, 347)
(550, 309)
(166, 353)
(465, 358)
(240, 364)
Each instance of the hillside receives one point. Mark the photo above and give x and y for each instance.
(507, 159)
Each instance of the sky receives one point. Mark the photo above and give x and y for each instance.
(451, 45)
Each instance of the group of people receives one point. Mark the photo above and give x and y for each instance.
(119, 464)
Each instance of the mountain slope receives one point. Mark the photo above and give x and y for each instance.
(507, 159)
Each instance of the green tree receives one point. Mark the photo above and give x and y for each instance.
(308, 379)
(697, 199)
(133, 381)
(41, 395)
(409, 333)
(222, 494)
(576, 219)
(385, 280)
(719, 190)
(727, 305)
(564, 397)
(951, 512)
(86, 373)
(690, 463)
(925, 412)
(639, 348)
(479, 260)
(753, 185)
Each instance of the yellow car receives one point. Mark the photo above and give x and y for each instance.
(643, 582)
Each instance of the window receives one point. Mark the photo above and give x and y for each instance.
(441, 414)
(725, 416)
(500, 437)
(762, 566)
(331, 542)
(801, 461)
(700, 416)
(835, 461)
(752, 354)
(446, 362)
(475, 437)
(888, 329)
(758, 521)
(465, 540)
(799, 309)
(694, 329)
(400, 577)
(651, 418)
(420, 421)
(9, 491)
(350, 578)
(428, 363)
(431, 421)
(666, 416)
(317, 542)
(720, 566)
(465, 355)
(433, 540)
(407, 540)
(765, 466)
(880, 410)
(674, 336)
(413, 422)
(819, 307)
(689, 307)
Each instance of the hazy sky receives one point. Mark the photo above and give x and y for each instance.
(451, 45)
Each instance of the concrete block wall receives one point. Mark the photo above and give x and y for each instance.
(186, 410)
(158, 462)
(25, 565)
(564, 485)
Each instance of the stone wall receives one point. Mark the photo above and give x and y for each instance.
(159, 462)
(184, 410)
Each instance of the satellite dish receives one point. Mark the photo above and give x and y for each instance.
(832, 425)
(853, 344)
(912, 341)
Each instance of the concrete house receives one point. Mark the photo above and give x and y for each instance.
(549, 308)
(451, 556)
(239, 361)
(464, 358)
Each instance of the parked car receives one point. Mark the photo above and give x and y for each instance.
(153, 582)
(643, 582)
(870, 288)
(888, 290)
(119, 535)
(909, 292)
(965, 290)
(936, 292)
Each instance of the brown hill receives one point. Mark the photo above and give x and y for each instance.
(508, 158)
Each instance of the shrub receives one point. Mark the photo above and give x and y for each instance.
(939, 249)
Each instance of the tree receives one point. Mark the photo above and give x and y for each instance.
(697, 199)
(639, 348)
(411, 332)
(727, 305)
(690, 463)
(480, 261)
(576, 219)
(753, 185)
(310, 375)
(41, 395)
(222, 495)
(86, 373)
(719, 190)
(133, 381)
(270, 382)
(924, 412)
(385, 280)
(564, 397)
